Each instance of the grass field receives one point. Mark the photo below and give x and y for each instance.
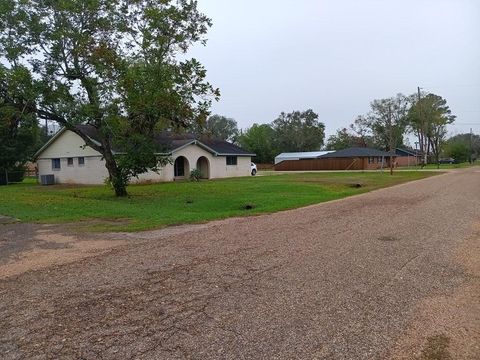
(158, 205)
(449, 166)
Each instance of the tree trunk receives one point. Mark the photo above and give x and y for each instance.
(116, 178)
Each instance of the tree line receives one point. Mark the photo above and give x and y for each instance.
(289, 132)
(121, 67)
(390, 120)
(386, 126)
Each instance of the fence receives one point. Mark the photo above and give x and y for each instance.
(264, 166)
(13, 177)
(321, 164)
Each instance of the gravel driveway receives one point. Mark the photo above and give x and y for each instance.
(389, 274)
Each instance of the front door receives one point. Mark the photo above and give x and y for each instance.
(179, 167)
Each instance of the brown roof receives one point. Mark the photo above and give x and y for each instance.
(170, 141)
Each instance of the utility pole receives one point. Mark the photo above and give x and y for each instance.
(471, 136)
(422, 134)
(390, 140)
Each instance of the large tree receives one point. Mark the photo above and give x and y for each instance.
(259, 139)
(112, 64)
(428, 118)
(221, 127)
(19, 129)
(388, 121)
(298, 131)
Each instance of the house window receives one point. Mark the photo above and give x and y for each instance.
(231, 160)
(379, 160)
(70, 161)
(81, 161)
(371, 160)
(55, 164)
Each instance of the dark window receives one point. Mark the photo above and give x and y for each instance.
(70, 161)
(379, 160)
(371, 160)
(179, 167)
(81, 161)
(55, 164)
(231, 160)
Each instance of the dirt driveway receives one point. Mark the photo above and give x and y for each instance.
(389, 274)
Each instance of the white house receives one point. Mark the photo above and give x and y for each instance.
(71, 161)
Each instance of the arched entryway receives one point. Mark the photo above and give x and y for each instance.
(204, 166)
(181, 167)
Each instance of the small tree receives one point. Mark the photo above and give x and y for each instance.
(260, 140)
(220, 127)
(112, 64)
(298, 131)
(341, 140)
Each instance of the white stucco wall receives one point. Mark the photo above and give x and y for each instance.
(68, 144)
(218, 167)
(93, 172)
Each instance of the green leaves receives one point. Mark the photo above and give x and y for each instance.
(299, 131)
(18, 123)
(112, 64)
(260, 140)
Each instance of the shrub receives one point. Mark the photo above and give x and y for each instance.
(195, 175)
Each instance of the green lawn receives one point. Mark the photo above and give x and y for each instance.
(158, 205)
(450, 166)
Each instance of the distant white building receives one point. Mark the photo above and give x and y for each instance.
(299, 155)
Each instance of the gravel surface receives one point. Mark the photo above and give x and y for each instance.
(348, 279)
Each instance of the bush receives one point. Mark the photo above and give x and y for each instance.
(459, 151)
(195, 175)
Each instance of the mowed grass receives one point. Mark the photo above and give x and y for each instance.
(157, 205)
(450, 166)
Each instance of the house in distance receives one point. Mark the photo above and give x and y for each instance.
(70, 161)
(354, 158)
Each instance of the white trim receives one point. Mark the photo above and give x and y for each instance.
(209, 149)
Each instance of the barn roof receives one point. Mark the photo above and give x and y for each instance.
(299, 155)
(356, 152)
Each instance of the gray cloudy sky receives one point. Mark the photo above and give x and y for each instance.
(335, 56)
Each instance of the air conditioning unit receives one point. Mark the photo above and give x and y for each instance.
(47, 179)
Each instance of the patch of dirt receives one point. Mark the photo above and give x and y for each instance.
(7, 220)
(445, 325)
(436, 348)
(25, 247)
(388, 238)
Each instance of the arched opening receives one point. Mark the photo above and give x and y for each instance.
(181, 167)
(204, 167)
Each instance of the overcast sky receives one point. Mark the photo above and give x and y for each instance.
(335, 56)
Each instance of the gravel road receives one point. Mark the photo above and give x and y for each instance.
(392, 274)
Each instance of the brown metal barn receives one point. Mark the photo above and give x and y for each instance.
(354, 158)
